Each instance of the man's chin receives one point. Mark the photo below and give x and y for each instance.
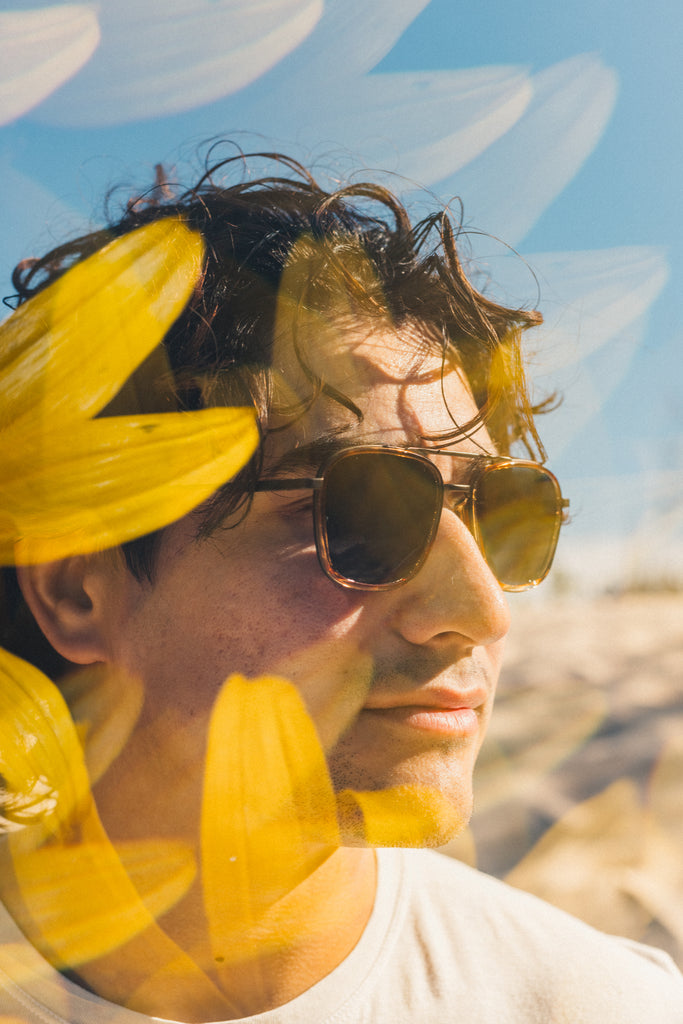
(405, 815)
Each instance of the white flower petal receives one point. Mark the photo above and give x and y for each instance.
(350, 39)
(39, 50)
(423, 125)
(513, 182)
(589, 297)
(165, 56)
(595, 306)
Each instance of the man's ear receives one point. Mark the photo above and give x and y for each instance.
(67, 599)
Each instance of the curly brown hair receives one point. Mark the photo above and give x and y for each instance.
(359, 238)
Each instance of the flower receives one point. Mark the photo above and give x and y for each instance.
(70, 484)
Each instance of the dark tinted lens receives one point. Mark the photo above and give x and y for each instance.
(518, 517)
(380, 511)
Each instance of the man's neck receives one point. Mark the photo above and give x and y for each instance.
(309, 933)
(169, 970)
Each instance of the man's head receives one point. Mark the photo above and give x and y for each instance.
(341, 324)
(279, 249)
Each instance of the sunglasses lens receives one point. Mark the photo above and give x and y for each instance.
(380, 511)
(518, 515)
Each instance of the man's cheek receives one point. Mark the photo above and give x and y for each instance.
(333, 677)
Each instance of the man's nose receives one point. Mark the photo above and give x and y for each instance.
(455, 597)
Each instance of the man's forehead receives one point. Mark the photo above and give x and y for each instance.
(353, 355)
(382, 386)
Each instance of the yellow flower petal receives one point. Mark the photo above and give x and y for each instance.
(318, 290)
(400, 816)
(79, 899)
(88, 899)
(66, 352)
(268, 813)
(105, 703)
(41, 761)
(102, 482)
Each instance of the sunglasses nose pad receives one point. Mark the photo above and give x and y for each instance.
(457, 501)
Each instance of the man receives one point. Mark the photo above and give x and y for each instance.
(352, 575)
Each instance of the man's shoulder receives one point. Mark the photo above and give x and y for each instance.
(520, 951)
(471, 899)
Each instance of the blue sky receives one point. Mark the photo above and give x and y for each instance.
(632, 181)
(325, 81)
(629, 190)
(627, 193)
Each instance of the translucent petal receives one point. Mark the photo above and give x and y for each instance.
(310, 260)
(105, 703)
(41, 49)
(79, 899)
(68, 351)
(349, 40)
(590, 297)
(166, 56)
(440, 120)
(88, 899)
(266, 791)
(571, 106)
(401, 816)
(41, 761)
(656, 885)
(99, 483)
(596, 306)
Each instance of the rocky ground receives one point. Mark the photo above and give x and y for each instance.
(579, 789)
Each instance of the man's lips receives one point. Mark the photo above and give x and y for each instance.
(444, 711)
(440, 698)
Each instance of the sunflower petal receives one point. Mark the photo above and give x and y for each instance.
(268, 812)
(84, 899)
(399, 816)
(88, 899)
(102, 482)
(66, 352)
(105, 702)
(41, 761)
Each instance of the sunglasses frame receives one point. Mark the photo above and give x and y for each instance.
(458, 498)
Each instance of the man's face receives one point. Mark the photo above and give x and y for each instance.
(399, 683)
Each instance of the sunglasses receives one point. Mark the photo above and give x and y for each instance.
(376, 512)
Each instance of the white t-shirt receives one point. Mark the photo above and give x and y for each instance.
(445, 944)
